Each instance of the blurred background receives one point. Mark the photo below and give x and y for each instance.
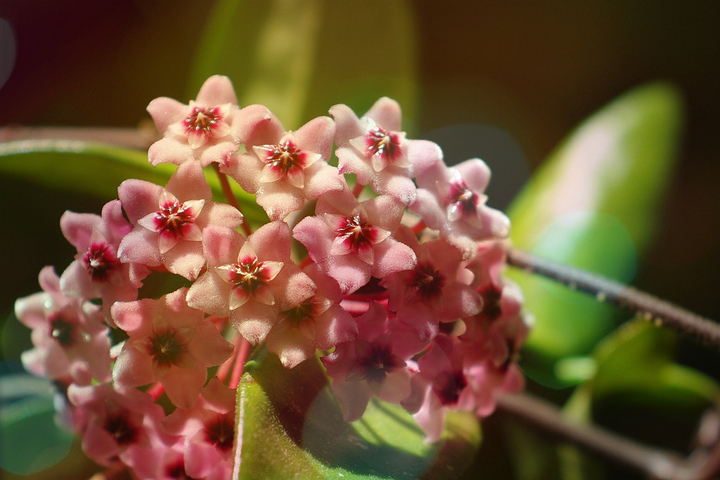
(504, 81)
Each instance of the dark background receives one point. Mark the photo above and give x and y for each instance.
(517, 75)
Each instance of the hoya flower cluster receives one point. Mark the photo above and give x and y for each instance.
(400, 289)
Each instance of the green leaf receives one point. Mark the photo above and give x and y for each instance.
(30, 439)
(78, 166)
(301, 57)
(98, 169)
(638, 358)
(592, 205)
(636, 375)
(289, 425)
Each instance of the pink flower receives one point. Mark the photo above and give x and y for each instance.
(446, 385)
(373, 365)
(250, 282)
(452, 201)
(169, 221)
(450, 379)
(352, 241)
(436, 290)
(498, 330)
(208, 429)
(97, 271)
(487, 380)
(284, 169)
(199, 131)
(376, 151)
(118, 422)
(170, 343)
(319, 322)
(69, 335)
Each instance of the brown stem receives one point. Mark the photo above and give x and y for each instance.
(653, 462)
(604, 289)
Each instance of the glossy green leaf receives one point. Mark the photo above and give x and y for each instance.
(98, 169)
(636, 373)
(638, 358)
(86, 167)
(299, 58)
(592, 205)
(22, 453)
(290, 425)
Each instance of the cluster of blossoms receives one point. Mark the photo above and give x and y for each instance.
(400, 289)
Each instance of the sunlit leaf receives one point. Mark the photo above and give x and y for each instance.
(290, 425)
(78, 166)
(592, 205)
(281, 58)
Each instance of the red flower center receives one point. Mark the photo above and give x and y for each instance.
(202, 120)
(220, 432)
(374, 362)
(462, 199)
(100, 260)
(63, 331)
(249, 275)
(382, 143)
(177, 471)
(300, 314)
(172, 218)
(427, 281)
(119, 426)
(285, 157)
(448, 386)
(167, 347)
(357, 232)
(492, 304)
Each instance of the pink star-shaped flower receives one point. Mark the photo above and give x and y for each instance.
(169, 342)
(352, 241)
(452, 201)
(499, 329)
(436, 290)
(97, 272)
(319, 322)
(208, 429)
(284, 169)
(250, 281)
(373, 365)
(70, 338)
(201, 131)
(377, 152)
(445, 385)
(169, 221)
(118, 422)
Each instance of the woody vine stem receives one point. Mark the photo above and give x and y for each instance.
(644, 305)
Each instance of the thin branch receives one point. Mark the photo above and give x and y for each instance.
(604, 289)
(653, 462)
